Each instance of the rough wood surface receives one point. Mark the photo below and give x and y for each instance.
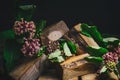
(30, 70)
(83, 69)
(113, 76)
(54, 32)
(74, 58)
(89, 40)
(75, 78)
(91, 76)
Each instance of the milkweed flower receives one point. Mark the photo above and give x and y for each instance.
(30, 47)
(52, 46)
(23, 26)
(111, 60)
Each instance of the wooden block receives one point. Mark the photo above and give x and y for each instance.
(90, 41)
(75, 78)
(74, 58)
(54, 32)
(29, 70)
(91, 76)
(113, 76)
(84, 39)
(50, 74)
(77, 27)
(83, 69)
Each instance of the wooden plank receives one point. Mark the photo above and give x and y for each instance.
(75, 78)
(54, 32)
(83, 69)
(89, 40)
(30, 70)
(50, 74)
(91, 76)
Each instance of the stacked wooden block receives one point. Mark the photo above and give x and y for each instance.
(35, 69)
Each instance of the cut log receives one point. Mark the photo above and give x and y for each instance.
(77, 66)
(88, 40)
(77, 27)
(74, 58)
(30, 70)
(75, 78)
(83, 69)
(54, 32)
(113, 76)
(91, 76)
(50, 74)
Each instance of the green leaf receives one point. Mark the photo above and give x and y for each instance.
(96, 52)
(86, 34)
(110, 39)
(103, 69)
(54, 54)
(91, 31)
(60, 59)
(117, 73)
(39, 28)
(41, 51)
(113, 44)
(27, 7)
(26, 12)
(96, 60)
(109, 35)
(72, 47)
(11, 54)
(8, 34)
(66, 50)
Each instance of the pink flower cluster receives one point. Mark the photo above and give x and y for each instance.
(23, 26)
(110, 57)
(52, 46)
(30, 47)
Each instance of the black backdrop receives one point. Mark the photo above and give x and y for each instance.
(102, 13)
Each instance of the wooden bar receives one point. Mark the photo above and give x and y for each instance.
(30, 70)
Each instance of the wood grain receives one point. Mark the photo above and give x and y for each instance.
(30, 70)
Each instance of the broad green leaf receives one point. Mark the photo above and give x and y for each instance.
(86, 34)
(103, 69)
(41, 51)
(95, 60)
(11, 54)
(60, 59)
(54, 59)
(72, 47)
(8, 34)
(66, 50)
(110, 39)
(96, 52)
(91, 31)
(113, 44)
(27, 7)
(39, 28)
(26, 12)
(57, 59)
(54, 54)
(110, 35)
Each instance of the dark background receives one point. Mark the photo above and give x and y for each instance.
(102, 13)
